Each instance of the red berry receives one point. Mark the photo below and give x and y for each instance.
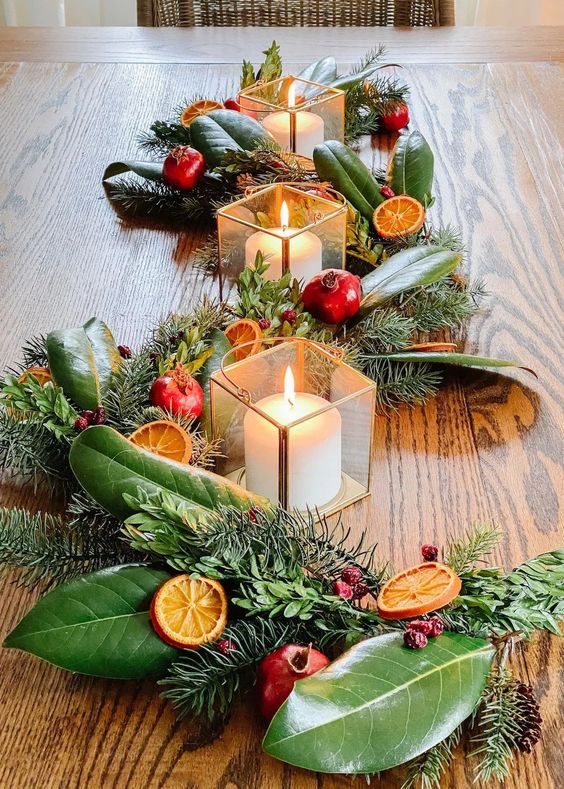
(430, 553)
(414, 640)
(397, 118)
(80, 424)
(225, 646)
(183, 168)
(387, 192)
(343, 590)
(360, 590)
(232, 104)
(89, 416)
(351, 575)
(437, 626)
(177, 392)
(278, 672)
(264, 324)
(421, 626)
(125, 351)
(333, 295)
(99, 416)
(289, 316)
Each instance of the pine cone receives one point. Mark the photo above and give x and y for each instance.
(529, 721)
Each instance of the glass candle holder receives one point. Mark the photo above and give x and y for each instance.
(295, 424)
(298, 227)
(298, 113)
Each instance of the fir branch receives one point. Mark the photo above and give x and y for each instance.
(129, 392)
(442, 304)
(34, 352)
(400, 382)
(49, 550)
(427, 770)
(205, 681)
(367, 101)
(478, 543)
(156, 200)
(163, 137)
(383, 331)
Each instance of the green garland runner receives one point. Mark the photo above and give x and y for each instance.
(280, 568)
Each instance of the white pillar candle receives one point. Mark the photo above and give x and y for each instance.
(305, 252)
(314, 449)
(310, 129)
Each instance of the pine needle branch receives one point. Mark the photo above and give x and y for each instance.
(34, 352)
(400, 382)
(476, 546)
(427, 770)
(163, 137)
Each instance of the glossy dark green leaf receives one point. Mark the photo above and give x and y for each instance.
(73, 366)
(221, 346)
(225, 130)
(456, 359)
(108, 465)
(348, 80)
(152, 171)
(411, 167)
(98, 624)
(411, 268)
(322, 71)
(380, 704)
(106, 354)
(338, 164)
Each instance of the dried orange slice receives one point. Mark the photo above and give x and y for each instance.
(164, 438)
(417, 591)
(242, 331)
(201, 107)
(188, 612)
(401, 215)
(42, 375)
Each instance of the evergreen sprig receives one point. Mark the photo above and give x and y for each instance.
(206, 681)
(367, 101)
(163, 136)
(426, 771)
(477, 544)
(43, 403)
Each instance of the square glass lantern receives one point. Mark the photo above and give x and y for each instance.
(298, 113)
(298, 227)
(295, 424)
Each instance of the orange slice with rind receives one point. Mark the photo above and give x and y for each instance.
(41, 374)
(197, 108)
(418, 591)
(189, 612)
(165, 438)
(398, 216)
(244, 331)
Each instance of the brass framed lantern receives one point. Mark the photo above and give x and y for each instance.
(295, 424)
(298, 227)
(298, 113)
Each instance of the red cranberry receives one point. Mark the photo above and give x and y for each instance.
(430, 552)
(125, 351)
(387, 192)
(225, 646)
(264, 324)
(421, 626)
(414, 640)
(360, 590)
(437, 626)
(99, 416)
(343, 590)
(232, 104)
(80, 424)
(289, 315)
(89, 416)
(351, 575)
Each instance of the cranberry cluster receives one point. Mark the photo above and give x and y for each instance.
(351, 585)
(420, 630)
(87, 418)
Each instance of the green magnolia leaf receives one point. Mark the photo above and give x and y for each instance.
(338, 164)
(152, 171)
(380, 704)
(349, 80)
(221, 346)
(411, 167)
(322, 71)
(73, 366)
(108, 465)
(225, 130)
(98, 624)
(106, 354)
(447, 357)
(410, 268)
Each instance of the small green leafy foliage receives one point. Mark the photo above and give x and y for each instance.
(270, 69)
(380, 704)
(259, 298)
(45, 404)
(98, 624)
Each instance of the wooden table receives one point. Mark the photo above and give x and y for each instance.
(487, 448)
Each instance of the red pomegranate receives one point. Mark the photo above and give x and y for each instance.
(396, 119)
(183, 168)
(278, 672)
(178, 393)
(333, 296)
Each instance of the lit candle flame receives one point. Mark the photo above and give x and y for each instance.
(289, 389)
(292, 95)
(284, 214)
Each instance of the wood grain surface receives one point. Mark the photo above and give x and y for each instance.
(231, 44)
(487, 448)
